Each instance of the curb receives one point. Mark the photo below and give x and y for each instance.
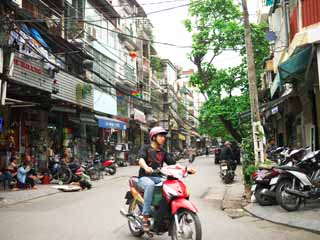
(281, 223)
(4, 205)
(26, 200)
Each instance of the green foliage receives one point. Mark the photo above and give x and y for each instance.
(217, 26)
(248, 164)
(156, 65)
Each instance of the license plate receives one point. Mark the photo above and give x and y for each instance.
(253, 188)
(274, 180)
(224, 167)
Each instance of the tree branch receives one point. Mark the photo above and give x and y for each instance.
(228, 125)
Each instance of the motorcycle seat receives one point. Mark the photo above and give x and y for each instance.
(291, 168)
(135, 184)
(265, 167)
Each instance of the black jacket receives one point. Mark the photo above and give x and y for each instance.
(226, 154)
(154, 158)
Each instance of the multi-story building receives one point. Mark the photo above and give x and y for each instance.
(292, 110)
(47, 101)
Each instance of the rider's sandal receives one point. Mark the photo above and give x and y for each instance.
(145, 225)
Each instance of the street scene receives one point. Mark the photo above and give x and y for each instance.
(159, 119)
(95, 214)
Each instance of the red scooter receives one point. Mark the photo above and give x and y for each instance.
(108, 166)
(171, 210)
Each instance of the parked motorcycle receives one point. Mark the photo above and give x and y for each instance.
(299, 182)
(108, 166)
(91, 169)
(172, 211)
(60, 171)
(226, 172)
(266, 177)
(74, 167)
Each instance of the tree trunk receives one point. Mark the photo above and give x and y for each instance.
(228, 125)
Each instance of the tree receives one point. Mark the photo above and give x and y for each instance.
(216, 26)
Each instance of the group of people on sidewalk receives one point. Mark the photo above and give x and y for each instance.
(16, 177)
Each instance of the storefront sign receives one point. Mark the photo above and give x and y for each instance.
(27, 66)
(122, 119)
(139, 116)
(104, 122)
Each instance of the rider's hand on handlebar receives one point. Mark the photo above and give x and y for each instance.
(148, 170)
(191, 170)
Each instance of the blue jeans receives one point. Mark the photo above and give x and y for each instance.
(148, 185)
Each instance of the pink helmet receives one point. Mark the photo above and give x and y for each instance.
(156, 130)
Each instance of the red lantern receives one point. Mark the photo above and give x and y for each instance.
(133, 55)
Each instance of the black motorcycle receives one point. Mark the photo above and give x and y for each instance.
(59, 171)
(92, 169)
(226, 172)
(299, 182)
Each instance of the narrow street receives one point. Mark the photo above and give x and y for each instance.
(94, 214)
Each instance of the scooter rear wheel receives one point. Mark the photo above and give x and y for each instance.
(112, 170)
(262, 199)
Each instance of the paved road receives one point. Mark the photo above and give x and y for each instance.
(94, 214)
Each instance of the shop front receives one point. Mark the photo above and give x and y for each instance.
(111, 132)
(138, 129)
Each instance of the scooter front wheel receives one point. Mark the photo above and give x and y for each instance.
(134, 226)
(189, 224)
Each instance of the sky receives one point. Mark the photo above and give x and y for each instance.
(168, 27)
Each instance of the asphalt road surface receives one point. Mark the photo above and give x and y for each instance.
(94, 214)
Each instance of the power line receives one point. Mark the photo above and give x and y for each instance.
(101, 86)
(90, 82)
(99, 75)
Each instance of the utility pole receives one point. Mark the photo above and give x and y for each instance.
(166, 112)
(257, 129)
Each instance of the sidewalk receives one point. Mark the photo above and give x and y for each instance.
(13, 197)
(307, 217)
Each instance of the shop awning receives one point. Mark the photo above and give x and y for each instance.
(105, 122)
(295, 66)
(276, 83)
(270, 105)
